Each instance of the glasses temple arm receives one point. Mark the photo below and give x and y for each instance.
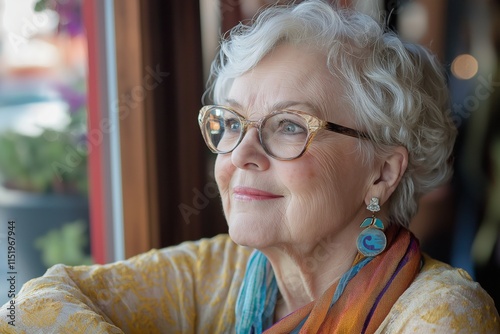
(345, 130)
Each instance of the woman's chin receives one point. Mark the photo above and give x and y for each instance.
(250, 235)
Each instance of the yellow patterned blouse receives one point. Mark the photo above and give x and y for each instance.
(192, 288)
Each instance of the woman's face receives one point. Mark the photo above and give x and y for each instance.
(320, 195)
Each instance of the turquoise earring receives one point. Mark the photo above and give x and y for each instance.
(372, 241)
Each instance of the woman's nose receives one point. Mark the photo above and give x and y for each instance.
(250, 154)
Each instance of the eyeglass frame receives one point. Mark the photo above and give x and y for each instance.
(314, 124)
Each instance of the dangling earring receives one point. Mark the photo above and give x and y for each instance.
(372, 241)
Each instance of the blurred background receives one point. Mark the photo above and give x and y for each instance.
(100, 152)
(43, 129)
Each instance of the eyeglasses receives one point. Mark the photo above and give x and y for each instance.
(284, 134)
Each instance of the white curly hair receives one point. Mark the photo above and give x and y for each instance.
(397, 90)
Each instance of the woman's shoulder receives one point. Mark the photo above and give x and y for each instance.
(176, 289)
(216, 248)
(443, 299)
(438, 278)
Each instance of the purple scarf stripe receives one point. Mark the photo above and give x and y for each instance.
(411, 247)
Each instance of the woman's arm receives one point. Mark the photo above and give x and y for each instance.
(442, 300)
(179, 289)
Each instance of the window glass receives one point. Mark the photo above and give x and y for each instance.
(43, 152)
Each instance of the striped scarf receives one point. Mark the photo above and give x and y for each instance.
(357, 303)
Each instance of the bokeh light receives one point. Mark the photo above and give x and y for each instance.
(464, 66)
(413, 21)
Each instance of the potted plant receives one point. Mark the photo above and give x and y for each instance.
(43, 172)
(43, 186)
(54, 161)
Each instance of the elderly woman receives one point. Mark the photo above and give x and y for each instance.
(327, 130)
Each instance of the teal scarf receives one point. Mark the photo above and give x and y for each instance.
(258, 294)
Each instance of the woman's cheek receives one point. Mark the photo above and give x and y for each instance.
(223, 168)
(222, 175)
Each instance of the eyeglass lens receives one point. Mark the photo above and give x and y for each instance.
(283, 134)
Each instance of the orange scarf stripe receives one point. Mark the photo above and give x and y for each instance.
(376, 283)
(288, 323)
(350, 311)
(395, 290)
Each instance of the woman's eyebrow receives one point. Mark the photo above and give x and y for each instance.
(288, 104)
(233, 103)
(278, 105)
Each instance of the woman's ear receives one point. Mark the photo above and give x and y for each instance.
(391, 171)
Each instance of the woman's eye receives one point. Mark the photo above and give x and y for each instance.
(233, 124)
(289, 127)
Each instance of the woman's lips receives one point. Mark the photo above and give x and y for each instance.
(252, 194)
